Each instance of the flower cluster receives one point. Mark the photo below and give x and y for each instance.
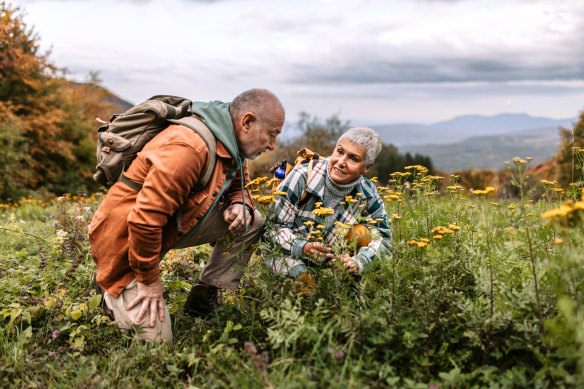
(569, 214)
(423, 242)
(485, 191)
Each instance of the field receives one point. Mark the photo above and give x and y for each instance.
(480, 292)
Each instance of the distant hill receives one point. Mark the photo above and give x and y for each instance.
(463, 127)
(492, 151)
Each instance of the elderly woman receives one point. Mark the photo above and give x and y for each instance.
(331, 181)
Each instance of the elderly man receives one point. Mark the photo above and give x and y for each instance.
(132, 229)
(330, 183)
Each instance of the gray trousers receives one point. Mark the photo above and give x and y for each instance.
(224, 270)
(231, 252)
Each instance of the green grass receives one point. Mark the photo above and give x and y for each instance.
(461, 312)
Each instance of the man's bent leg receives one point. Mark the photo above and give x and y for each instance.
(126, 320)
(231, 255)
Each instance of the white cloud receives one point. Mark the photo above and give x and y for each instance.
(325, 56)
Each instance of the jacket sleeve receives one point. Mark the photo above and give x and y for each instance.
(284, 212)
(377, 222)
(233, 193)
(173, 170)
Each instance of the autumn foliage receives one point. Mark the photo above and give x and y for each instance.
(46, 121)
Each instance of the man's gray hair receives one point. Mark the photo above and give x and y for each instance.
(258, 101)
(367, 138)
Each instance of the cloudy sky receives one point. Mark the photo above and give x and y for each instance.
(371, 61)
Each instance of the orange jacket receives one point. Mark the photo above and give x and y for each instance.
(131, 229)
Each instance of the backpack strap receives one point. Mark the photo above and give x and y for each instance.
(303, 198)
(203, 131)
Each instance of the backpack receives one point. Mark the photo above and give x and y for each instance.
(305, 155)
(120, 139)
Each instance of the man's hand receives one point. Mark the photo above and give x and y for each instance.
(317, 250)
(348, 262)
(151, 297)
(233, 216)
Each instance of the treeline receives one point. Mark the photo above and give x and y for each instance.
(47, 123)
(321, 136)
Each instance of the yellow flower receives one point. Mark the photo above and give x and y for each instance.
(320, 226)
(373, 179)
(396, 216)
(425, 240)
(511, 206)
(411, 242)
(519, 160)
(315, 232)
(323, 211)
(421, 244)
(280, 193)
(559, 241)
(437, 237)
(320, 238)
(308, 223)
(318, 204)
(454, 227)
(266, 199)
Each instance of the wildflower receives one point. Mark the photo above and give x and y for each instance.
(320, 238)
(315, 232)
(494, 204)
(411, 242)
(374, 179)
(318, 204)
(421, 244)
(320, 226)
(558, 241)
(486, 191)
(308, 223)
(437, 236)
(359, 194)
(396, 216)
(518, 160)
(426, 240)
(55, 334)
(280, 193)
(511, 206)
(323, 211)
(454, 227)
(266, 199)
(546, 182)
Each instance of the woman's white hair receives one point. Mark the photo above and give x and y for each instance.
(367, 138)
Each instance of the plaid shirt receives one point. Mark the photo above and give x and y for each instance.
(289, 217)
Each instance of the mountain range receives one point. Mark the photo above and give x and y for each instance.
(475, 141)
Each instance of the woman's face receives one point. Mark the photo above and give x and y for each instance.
(347, 162)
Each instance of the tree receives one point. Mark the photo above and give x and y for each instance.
(569, 167)
(45, 120)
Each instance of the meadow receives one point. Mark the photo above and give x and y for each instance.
(481, 291)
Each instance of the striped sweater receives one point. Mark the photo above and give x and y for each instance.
(291, 231)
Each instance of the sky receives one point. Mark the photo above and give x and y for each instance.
(368, 61)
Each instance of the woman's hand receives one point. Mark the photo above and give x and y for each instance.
(348, 262)
(317, 250)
